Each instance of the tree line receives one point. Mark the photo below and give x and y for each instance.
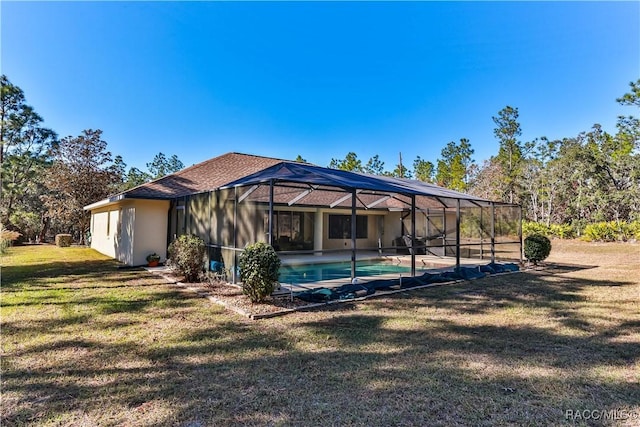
(46, 181)
(590, 177)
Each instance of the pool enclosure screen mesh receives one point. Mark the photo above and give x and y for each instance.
(313, 215)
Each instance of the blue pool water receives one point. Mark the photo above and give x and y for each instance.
(336, 270)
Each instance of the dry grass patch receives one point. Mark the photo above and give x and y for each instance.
(88, 344)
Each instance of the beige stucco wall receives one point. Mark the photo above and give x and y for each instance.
(104, 230)
(375, 230)
(129, 230)
(150, 231)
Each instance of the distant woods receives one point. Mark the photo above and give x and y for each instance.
(46, 181)
(590, 177)
(581, 179)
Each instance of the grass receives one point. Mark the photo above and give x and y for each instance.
(84, 343)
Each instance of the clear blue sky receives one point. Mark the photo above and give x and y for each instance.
(319, 79)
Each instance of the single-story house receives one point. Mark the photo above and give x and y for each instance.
(304, 211)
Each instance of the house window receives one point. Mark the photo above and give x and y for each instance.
(108, 222)
(340, 226)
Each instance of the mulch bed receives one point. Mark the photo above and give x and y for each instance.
(231, 297)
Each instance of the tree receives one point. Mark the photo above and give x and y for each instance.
(161, 166)
(136, 177)
(485, 180)
(633, 97)
(81, 174)
(423, 170)
(119, 168)
(299, 159)
(454, 166)
(349, 163)
(24, 150)
(400, 171)
(374, 166)
(512, 151)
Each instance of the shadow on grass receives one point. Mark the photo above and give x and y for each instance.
(350, 369)
(392, 361)
(20, 276)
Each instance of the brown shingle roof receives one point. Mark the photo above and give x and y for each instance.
(204, 176)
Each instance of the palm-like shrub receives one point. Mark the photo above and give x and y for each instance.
(259, 271)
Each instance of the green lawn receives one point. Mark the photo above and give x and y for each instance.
(84, 343)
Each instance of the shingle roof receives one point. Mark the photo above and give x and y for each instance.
(200, 177)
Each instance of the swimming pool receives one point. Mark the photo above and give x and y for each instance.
(337, 270)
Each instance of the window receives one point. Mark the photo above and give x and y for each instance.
(291, 230)
(340, 226)
(108, 222)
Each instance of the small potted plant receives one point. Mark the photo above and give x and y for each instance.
(153, 260)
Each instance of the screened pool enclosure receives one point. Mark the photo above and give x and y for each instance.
(329, 224)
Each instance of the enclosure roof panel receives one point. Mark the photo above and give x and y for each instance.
(287, 172)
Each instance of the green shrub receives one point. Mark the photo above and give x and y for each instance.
(63, 240)
(562, 231)
(186, 256)
(532, 227)
(259, 265)
(634, 228)
(537, 248)
(611, 231)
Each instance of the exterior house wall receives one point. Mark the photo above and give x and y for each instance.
(374, 230)
(150, 229)
(392, 228)
(115, 231)
(104, 230)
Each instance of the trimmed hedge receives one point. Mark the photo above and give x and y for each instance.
(63, 240)
(537, 248)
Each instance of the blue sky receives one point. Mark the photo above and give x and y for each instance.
(320, 79)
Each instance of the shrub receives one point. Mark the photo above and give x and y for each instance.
(186, 256)
(611, 231)
(561, 231)
(7, 237)
(531, 227)
(634, 227)
(536, 248)
(63, 240)
(259, 265)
